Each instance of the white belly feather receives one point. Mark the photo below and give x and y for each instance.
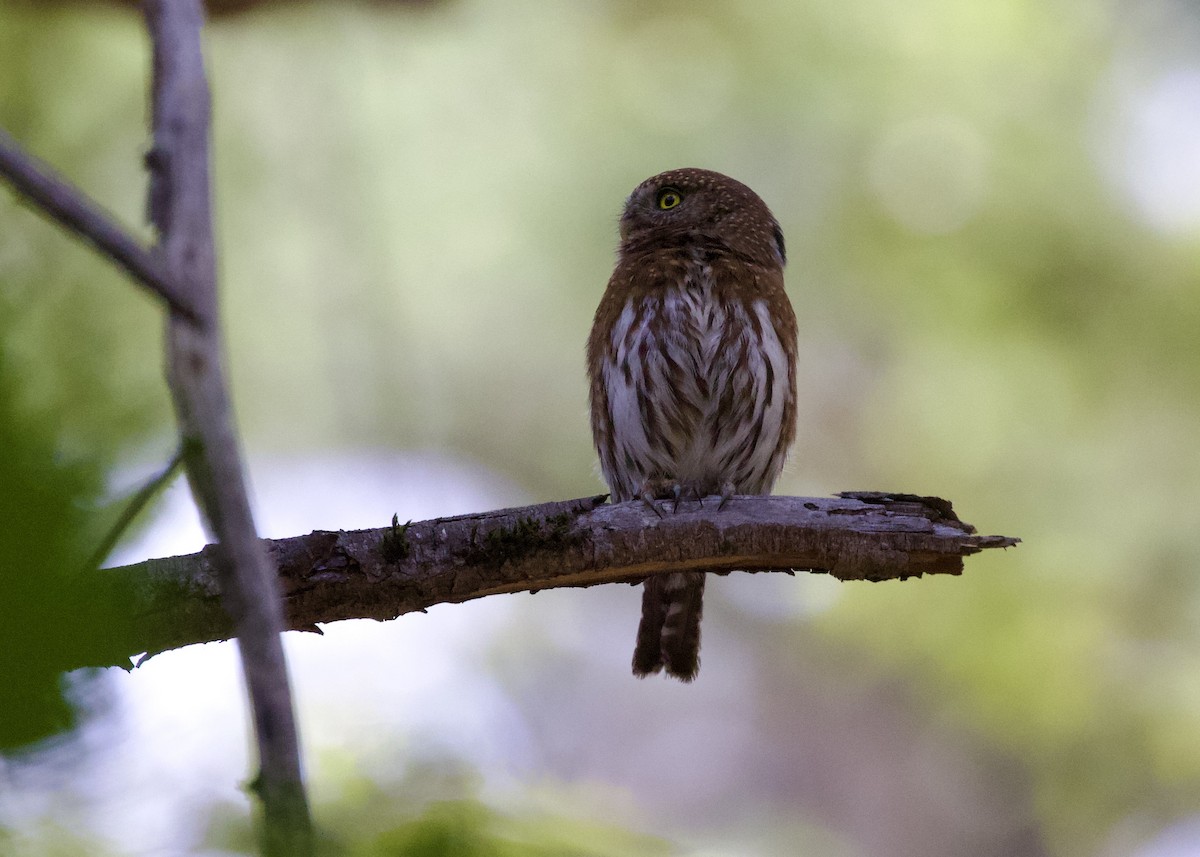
(696, 392)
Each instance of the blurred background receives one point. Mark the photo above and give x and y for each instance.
(993, 219)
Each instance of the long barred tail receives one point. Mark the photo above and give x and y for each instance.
(669, 633)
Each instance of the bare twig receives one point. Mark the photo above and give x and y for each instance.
(137, 503)
(72, 208)
(180, 208)
(384, 573)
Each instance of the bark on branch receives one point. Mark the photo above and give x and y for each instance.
(387, 572)
(180, 208)
(181, 269)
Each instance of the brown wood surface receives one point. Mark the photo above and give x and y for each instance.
(387, 572)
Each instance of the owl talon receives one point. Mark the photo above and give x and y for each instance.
(727, 492)
(648, 500)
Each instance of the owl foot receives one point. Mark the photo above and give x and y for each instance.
(652, 490)
(672, 490)
(658, 493)
(688, 491)
(649, 503)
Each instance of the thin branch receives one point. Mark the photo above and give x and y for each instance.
(181, 209)
(387, 572)
(73, 209)
(136, 504)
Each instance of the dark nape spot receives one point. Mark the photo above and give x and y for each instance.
(779, 243)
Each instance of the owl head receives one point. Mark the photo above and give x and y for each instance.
(701, 208)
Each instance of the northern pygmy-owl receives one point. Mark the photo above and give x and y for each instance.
(692, 363)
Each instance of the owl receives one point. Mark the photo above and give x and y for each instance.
(692, 369)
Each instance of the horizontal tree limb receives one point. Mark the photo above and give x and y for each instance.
(384, 573)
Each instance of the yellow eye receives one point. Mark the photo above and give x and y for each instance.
(669, 198)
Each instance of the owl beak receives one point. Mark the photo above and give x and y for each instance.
(623, 224)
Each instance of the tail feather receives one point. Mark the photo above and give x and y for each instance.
(669, 633)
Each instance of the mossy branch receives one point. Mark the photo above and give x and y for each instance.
(387, 572)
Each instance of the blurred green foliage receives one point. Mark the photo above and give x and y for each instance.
(417, 215)
(414, 816)
(73, 398)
